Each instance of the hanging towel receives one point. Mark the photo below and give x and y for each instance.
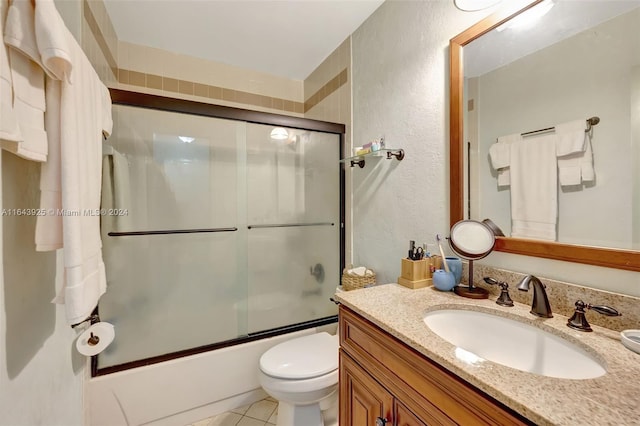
(534, 193)
(500, 153)
(49, 226)
(575, 159)
(53, 46)
(27, 78)
(9, 129)
(83, 114)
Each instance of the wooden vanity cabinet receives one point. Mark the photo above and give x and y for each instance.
(385, 382)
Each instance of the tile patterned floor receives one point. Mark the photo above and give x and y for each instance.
(261, 413)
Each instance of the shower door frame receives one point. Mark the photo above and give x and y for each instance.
(162, 103)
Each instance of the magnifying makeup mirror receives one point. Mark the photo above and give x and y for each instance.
(471, 240)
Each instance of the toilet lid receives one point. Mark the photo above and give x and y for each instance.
(302, 358)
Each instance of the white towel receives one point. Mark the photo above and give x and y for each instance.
(53, 46)
(27, 78)
(9, 129)
(570, 137)
(49, 226)
(575, 159)
(500, 154)
(83, 111)
(534, 193)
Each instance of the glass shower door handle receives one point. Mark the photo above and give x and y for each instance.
(170, 231)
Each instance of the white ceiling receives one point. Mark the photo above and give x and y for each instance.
(287, 38)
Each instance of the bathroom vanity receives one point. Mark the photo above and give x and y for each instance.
(383, 381)
(395, 370)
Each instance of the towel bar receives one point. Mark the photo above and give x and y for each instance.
(592, 121)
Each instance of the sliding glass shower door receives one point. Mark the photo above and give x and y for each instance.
(219, 232)
(293, 215)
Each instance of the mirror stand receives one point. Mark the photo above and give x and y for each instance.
(470, 291)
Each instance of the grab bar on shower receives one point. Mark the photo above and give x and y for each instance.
(170, 231)
(287, 225)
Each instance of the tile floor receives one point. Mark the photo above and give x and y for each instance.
(261, 413)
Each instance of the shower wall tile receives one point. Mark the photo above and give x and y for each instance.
(98, 40)
(197, 79)
(327, 94)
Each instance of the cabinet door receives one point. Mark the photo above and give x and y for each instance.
(362, 399)
(405, 417)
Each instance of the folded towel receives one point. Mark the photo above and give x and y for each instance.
(27, 78)
(9, 129)
(53, 46)
(500, 154)
(534, 193)
(575, 158)
(570, 137)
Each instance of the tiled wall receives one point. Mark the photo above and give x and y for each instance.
(99, 40)
(157, 71)
(327, 90)
(327, 94)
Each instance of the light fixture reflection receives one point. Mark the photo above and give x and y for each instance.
(467, 357)
(279, 133)
(528, 17)
(473, 5)
(186, 139)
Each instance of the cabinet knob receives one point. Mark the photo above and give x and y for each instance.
(381, 422)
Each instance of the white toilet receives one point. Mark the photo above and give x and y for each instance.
(302, 374)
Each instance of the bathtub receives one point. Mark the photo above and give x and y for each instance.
(183, 390)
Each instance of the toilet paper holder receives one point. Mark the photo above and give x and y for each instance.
(93, 318)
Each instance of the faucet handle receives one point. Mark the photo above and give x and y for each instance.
(578, 320)
(504, 299)
(604, 310)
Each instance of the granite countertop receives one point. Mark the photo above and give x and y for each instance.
(611, 399)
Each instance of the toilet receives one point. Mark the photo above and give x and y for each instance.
(302, 374)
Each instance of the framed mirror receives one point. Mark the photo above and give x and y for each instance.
(470, 164)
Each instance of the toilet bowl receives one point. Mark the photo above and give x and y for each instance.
(302, 374)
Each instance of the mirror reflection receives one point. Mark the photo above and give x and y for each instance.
(578, 61)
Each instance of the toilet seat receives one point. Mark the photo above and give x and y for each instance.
(302, 358)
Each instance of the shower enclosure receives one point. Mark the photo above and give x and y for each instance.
(220, 226)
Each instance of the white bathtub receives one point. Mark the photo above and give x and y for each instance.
(183, 390)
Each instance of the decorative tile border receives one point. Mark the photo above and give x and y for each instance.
(167, 84)
(334, 84)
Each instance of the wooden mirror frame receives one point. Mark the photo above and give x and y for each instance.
(598, 256)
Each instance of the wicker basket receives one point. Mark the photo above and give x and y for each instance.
(353, 282)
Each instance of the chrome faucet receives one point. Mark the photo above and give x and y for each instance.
(540, 305)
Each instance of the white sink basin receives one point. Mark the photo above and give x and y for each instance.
(481, 336)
